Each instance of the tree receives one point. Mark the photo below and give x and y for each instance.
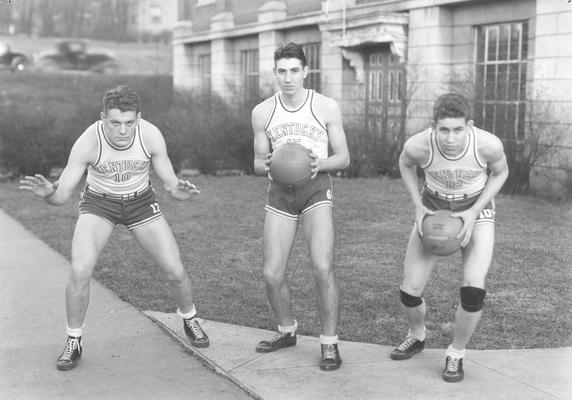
(541, 146)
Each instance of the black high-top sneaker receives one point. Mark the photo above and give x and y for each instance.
(195, 333)
(407, 349)
(71, 354)
(331, 359)
(453, 371)
(278, 342)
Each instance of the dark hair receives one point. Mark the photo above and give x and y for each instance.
(451, 105)
(122, 98)
(290, 50)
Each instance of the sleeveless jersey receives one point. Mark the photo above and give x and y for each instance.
(297, 126)
(464, 174)
(119, 170)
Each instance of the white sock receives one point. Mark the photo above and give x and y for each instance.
(328, 339)
(454, 353)
(418, 337)
(288, 329)
(74, 332)
(188, 315)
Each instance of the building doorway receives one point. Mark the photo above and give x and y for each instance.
(385, 105)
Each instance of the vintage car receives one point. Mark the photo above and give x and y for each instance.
(73, 55)
(13, 61)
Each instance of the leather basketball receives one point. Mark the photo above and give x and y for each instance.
(290, 164)
(440, 231)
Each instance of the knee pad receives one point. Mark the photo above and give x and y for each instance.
(410, 301)
(472, 298)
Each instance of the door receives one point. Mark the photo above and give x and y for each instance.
(385, 105)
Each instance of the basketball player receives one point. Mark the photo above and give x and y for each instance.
(465, 167)
(117, 152)
(298, 115)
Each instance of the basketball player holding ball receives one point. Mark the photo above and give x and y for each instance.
(465, 167)
(298, 115)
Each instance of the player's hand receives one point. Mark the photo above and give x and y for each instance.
(183, 190)
(38, 185)
(315, 164)
(267, 162)
(469, 217)
(420, 213)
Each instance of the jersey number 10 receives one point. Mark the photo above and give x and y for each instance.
(122, 177)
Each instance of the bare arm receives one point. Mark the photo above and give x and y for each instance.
(179, 189)
(492, 152)
(59, 192)
(415, 152)
(329, 112)
(262, 149)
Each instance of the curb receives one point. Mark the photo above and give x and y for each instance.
(207, 362)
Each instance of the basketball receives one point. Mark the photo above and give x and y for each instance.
(440, 231)
(290, 164)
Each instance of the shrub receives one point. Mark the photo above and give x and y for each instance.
(374, 153)
(35, 151)
(43, 114)
(540, 147)
(208, 134)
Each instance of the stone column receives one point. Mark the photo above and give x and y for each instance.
(550, 53)
(429, 61)
(267, 42)
(222, 68)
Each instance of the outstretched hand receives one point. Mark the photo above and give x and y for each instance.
(38, 185)
(183, 190)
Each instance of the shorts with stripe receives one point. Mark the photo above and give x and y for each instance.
(436, 201)
(293, 202)
(133, 210)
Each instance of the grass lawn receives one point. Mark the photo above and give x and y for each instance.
(219, 234)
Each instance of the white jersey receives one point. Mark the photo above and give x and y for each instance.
(297, 126)
(119, 170)
(464, 174)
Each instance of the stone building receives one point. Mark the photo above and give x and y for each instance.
(152, 18)
(385, 61)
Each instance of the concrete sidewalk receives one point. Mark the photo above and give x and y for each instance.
(134, 355)
(126, 355)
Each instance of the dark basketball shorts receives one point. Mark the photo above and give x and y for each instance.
(293, 202)
(133, 210)
(435, 201)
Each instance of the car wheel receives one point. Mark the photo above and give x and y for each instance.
(18, 64)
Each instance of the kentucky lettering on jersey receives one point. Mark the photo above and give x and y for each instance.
(297, 126)
(454, 179)
(119, 170)
(464, 174)
(123, 166)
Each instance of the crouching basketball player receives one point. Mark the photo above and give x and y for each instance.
(298, 115)
(465, 167)
(117, 152)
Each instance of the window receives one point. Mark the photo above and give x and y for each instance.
(395, 86)
(205, 73)
(500, 91)
(249, 68)
(375, 86)
(156, 14)
(312, 52)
